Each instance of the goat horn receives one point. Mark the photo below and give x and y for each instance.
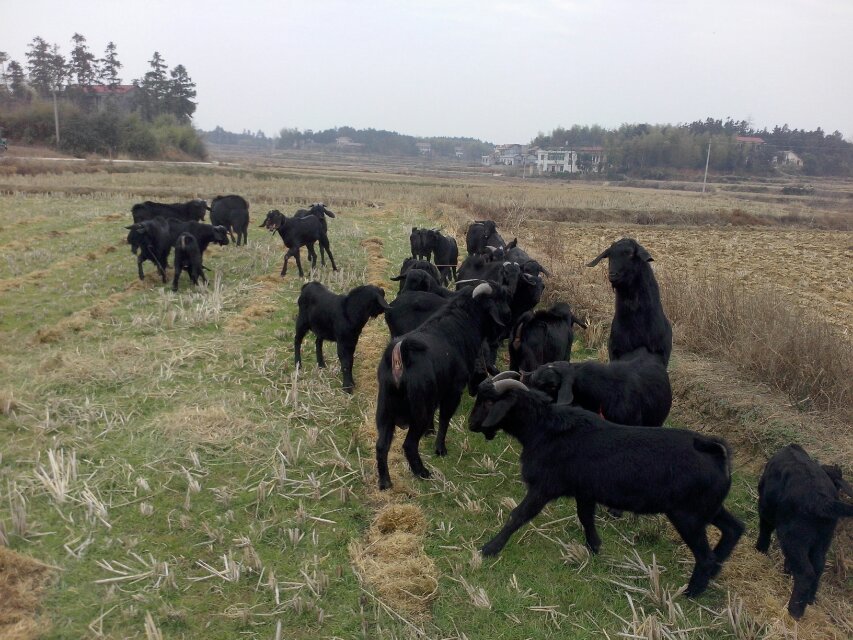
(465, 281)
(507, 375)
(502, 386)
(483, 287)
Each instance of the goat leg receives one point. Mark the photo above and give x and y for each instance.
(529, 508)
(586, 515)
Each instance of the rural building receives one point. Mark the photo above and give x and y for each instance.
(344, 142)
(557, 161)
(459, 152)
(424, 148)
(590, 159)
(788, 158)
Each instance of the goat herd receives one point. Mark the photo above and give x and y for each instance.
(588, 430)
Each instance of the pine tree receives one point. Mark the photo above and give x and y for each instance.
(180, 96)
(108, 67)
(82, 67)
(153, 88)
(17, 80)
(40, 66)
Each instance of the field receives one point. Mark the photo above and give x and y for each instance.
(166, 473)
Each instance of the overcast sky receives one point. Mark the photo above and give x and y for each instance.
(496, 70)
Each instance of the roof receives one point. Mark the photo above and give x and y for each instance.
(591, 149)
(750, 139)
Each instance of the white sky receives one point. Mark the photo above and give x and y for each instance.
(497, 70)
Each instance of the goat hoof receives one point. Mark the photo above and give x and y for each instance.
(796, 610)
(441, 450)
(762, 548)
(489, 549)
(348, 390)
(424, 473)
(384, 483)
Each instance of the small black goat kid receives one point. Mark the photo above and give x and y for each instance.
(572, 452)
(445, 254)
(798, 498)
(296, 233)
(319, 211)
(188, 257)
(639, 320)
(419, 243)
(542, 336)
(632, 391)
(338, 319)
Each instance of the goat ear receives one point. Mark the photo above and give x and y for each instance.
(512, 244)
(578, 322)
(499, 410)
(644, 255)
(380, 298)
(604, 254)
(834, 473)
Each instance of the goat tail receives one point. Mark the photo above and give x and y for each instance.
(716, 447)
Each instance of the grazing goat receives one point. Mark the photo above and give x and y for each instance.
(572, 452)
(205, 234)
(482, 234)
(415, 263)
(543, 336)
(418, 242)
(192, 210)
(231, 212)
(150, 240)
(338, 319)
(445, 254)
(632, 391)
(514, 253)
(319, 211)
(427, 369)
(420, 280)
(188, 257)
(799, 499)
(639, 320)
(296, 233)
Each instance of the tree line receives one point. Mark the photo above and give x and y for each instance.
(382, 142)
(98, 113)
(647, 150)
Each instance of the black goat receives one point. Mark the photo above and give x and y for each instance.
(445, 254)
(205, 234)
(428, 368)
(338, 319)
(150, 240)
(482, 234)
(188, 257)
(632, 391)
(572, 452)
(410, 309)
(420, 280)
(516, 254)
(319, 211)
(542, 336)
(148, 210)
(419, 243)
(799, 499)
(231, 212)
(639, 320)
(415, 263)
(480, 267)
(296, 233)
(528, 293)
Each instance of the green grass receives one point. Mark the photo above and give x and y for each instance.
(272, 475)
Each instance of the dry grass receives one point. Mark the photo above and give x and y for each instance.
(764, 335)
(206, 425)
(22, 584)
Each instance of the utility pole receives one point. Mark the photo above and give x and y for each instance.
(707, 160)
(56, 117)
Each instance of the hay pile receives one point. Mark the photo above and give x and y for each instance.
(22, 583)
(392, 562)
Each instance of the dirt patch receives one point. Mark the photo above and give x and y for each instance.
(23, 581)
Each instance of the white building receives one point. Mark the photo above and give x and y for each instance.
(557, 161)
